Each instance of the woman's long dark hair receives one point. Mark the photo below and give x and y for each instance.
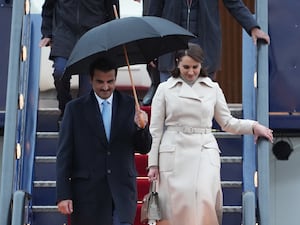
(195, 52)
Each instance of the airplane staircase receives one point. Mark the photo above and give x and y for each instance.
(44, 210)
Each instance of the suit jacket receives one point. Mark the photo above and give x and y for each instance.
(209, 34)
(95, 173)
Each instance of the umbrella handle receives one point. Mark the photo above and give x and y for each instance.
(137, 105)
(115, 11)
(128, 65)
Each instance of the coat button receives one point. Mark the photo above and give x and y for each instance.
(109, 171)
(108, 153)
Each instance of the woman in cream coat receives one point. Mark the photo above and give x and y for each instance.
(184, 157)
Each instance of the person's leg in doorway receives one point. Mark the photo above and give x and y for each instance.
(164, 75)
(84, 84)
(213, 76)
(61, 83)
(155, 80)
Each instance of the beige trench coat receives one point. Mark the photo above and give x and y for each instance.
(187, 152)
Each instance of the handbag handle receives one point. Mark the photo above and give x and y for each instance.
(153, 186)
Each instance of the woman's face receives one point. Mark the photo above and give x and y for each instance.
(189, 68)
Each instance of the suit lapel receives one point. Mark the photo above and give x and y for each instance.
(94, 118)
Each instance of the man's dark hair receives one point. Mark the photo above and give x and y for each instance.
(102, 64)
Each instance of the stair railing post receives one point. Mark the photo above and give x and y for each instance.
(249, 208)
(263, 116)
(249, 112)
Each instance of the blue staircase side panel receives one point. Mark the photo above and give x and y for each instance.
(31, 105)
(284, 63)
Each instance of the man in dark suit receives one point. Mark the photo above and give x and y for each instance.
(96, 174)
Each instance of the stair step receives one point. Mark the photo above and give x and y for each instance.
(231, 159)
(44, 191)
(232, 209)
(48, 216)
(52, 183)
(54, 134)
(45, 159)
(224, 159)
(48, 134)
(52, 208)
(231, 167)
(230, 145)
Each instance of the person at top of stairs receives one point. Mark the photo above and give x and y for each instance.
(184, 156)
(63, 23)
(96, 173)
(202, 18)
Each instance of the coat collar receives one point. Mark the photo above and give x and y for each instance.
(174, 81)
(187, 91)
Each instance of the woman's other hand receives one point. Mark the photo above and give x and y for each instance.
(153, 173)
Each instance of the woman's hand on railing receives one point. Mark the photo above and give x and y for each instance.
(262, 131)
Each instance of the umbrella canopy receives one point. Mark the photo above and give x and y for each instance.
(145, 38)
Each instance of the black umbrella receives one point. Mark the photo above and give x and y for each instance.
(145, 38)
(127, 41)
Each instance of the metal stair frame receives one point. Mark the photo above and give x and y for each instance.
(20, 118)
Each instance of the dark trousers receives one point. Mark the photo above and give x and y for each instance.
(116, 220)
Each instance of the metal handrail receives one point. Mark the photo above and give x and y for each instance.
(9, 142)
(256, 103)
(19, 207)
(249, 208)
(263, 158)
(249, 112)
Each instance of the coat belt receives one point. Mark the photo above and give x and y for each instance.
(189, 130)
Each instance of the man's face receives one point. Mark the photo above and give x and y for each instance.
(104, 83)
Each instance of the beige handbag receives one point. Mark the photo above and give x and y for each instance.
(150, 210)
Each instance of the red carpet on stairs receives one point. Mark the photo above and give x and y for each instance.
(141, 162)
(143, 184)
